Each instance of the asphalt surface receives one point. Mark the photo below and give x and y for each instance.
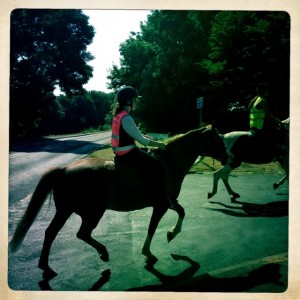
(223, 246)
(28, 161)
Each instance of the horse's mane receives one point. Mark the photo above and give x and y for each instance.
(180, 140)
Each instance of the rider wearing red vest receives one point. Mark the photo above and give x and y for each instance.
(125, 133)
(121, 142)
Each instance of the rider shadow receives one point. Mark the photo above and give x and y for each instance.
(271, 209)
(104, 278)
(185, 282)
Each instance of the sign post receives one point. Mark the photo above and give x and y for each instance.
(200, 107)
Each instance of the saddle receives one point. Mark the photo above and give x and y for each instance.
(129, 177)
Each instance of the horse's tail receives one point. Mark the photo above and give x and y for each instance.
(38, 198)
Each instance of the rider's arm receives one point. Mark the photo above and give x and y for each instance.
(131, 129)
(263, 105)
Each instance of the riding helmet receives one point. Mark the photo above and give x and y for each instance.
(126, 93)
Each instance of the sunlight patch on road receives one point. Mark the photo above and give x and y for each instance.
(279, 258)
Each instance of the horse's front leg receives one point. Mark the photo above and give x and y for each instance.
(216, 178)
(177, 228)
(225, 176)
(157, 214)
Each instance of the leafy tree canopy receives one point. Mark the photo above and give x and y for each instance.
(48, 49)
(181, 55)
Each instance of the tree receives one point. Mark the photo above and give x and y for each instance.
(73, 114)
(48, 48)
(247, 48)
(181, 55)
(163, 63)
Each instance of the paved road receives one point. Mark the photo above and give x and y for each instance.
(224, 247)
(29, 161)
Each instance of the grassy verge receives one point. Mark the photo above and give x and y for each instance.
(105, 153)
(208, 164)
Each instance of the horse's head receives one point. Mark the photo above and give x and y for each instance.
(205, 141)
(213, 145)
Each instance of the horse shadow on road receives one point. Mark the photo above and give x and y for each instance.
(246, 209)
(104, 278)
(186, 282)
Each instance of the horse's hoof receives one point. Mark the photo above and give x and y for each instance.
(233, 199)
(106, 274)
(48, 274)
(275, 186)
(151, 260)
(104, 256)
(44, 285)
(234, 196)
(209, 195)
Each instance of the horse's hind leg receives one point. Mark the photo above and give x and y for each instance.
(284, 163)
(277, 184)
(51, 232)
(89, 223)
(177, 228)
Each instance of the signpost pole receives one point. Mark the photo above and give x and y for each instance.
(200, 107)
(200, 117)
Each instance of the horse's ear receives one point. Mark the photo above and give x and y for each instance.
(214, 127)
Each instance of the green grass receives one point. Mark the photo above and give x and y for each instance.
(105, 153)
(208, 164)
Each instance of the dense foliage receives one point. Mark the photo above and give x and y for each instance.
(181, 55)
(77, 113)
(177, 57)
(48, 49)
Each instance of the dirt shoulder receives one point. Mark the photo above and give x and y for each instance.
(208, 164)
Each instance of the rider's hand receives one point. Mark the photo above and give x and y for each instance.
(161, 146)
(157, 144)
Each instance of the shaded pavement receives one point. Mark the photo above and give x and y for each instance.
(223, 247)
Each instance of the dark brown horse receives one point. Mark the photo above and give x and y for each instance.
(90, 186)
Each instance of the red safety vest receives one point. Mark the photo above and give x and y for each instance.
(121, 142)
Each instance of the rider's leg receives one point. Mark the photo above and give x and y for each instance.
(153, 173)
